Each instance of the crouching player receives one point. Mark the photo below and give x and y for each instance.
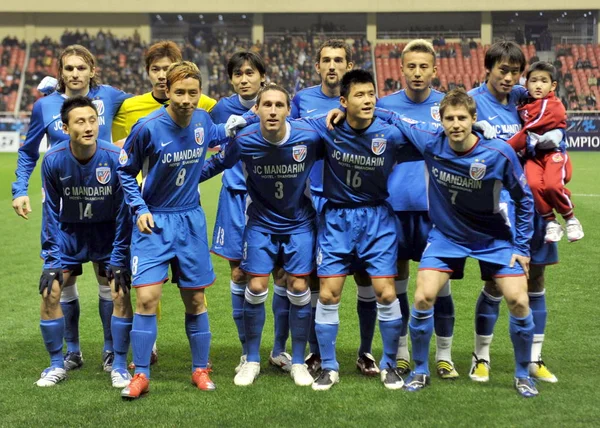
(170, 144)
(84, 219)
(466, 176)
(277, 157)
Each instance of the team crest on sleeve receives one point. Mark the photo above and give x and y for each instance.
(99, 106)
(435, 113)
(199, 135)
(123, 157)
(378, 145)
(299, 152)
(477, 169)
(103, 174)
(557, 157)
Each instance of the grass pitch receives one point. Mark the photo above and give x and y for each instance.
(87, 399)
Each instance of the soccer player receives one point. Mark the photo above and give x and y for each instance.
(497, 100)
(276, 158)
(464, 193)
(546, 169)
(84, 219)
(357, 225)
(76, 76)
(333, 61)
(170, 145)
(408, 198)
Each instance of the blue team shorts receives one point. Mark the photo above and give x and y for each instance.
(445, 255)
(262, 251)
(365, 237)
(413, 230)
(318, 202)
(229, 225)
(179, 239)
(86, 242)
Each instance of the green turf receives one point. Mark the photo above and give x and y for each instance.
(86, 398)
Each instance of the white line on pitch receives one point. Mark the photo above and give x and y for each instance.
(589, 195)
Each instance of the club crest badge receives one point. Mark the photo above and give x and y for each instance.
(557, 157)
(199, 136)
(99, 106)
(477, 170)
(123, 157)
(103, 174)
(435, 113)
(299, 153)
(378, 145)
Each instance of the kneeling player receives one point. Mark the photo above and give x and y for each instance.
(85, 219)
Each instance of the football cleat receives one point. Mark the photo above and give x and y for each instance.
(301, 375)
(526, 387)
(391, 379)
(51, 376)
(446, 370)
(554, 231)
(120, 378)
(247, 374)
(403, 366)
(73, 360)
(480, 369)
(138, 386)
(326, 380)
(107, 360)
(416, 382)
(282, 361)
(539, 371)
(367, 365)
(201, 379)
(574, 230)
(313, 362)
(239, 366)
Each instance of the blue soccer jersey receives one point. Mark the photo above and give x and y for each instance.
(233, 178)
(169, 157)
(45, 120)
(464, 188)
(407, 184)
(276, 176)
(311, 102)
(87, 193)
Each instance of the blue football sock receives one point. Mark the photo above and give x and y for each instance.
(443, 316)
(237, 305)
(143, 335)
(367, 319)
(281, 315)
(105, 308)
(71, 314)
(390, 325)
(486, 313)
(421, 330)
(521, 334)
(254, 322)
(121, 328)
(313, 343)
(199, 335)
(405, 311)
(52, 333)
(327, 324)
(299, 320)
(537, 304)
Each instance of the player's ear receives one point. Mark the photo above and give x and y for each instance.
(65, 128)
(350, 66)
(318, 67)
(92, 72)
(343, 102)
(553, 86)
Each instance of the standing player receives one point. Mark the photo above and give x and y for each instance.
(76, 76)
(170, 145)
(464, 193)
(84, 219)
(276, 157)
(497, 100)
(408, 198)
(334, 60)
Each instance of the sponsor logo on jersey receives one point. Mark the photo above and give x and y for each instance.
(435, 113)
(123, 157)
(99, 106)
(103, 174)
(557, 157)
(477, 169)
(299, 152)
(409, 120)
(199, 135)
(378, 145)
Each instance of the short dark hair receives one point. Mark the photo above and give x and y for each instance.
(274, 87)
(238, 59)
(507, 50)
(73, 103)
(543, 66)
(335, 44)
(458, 97)
(354, 77)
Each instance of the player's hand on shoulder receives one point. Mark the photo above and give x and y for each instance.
(121, 276)
(47, 85)
(233, 124)
(21, 206)
(47, 279)
(522, 260)
(145, 223)
(487, 129)
(334, 117)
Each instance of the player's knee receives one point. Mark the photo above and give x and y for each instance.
(492, 289)
(387, 296)
(424, 300)
(238, 275)
(518, 305)
(328, 296)
(297, 284)
(146, 303)
(121, 303)
(258, 285)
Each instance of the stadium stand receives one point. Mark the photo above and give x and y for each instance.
(12, 57)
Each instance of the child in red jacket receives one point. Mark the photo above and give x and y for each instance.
(547, 169)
